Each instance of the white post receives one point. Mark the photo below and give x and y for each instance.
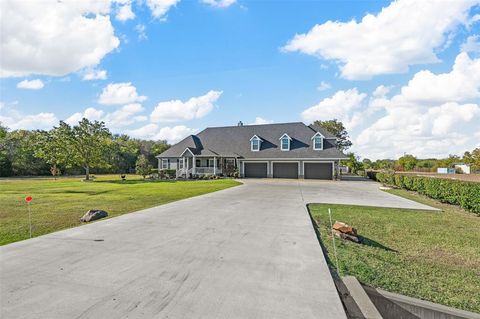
(187, 169)
(214, 165)
(194, 166)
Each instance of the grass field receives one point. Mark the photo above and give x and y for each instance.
(434, 256)
(59, 204)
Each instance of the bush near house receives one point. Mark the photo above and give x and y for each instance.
(464, 194)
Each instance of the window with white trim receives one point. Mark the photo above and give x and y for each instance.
(255, 144)
(285, 143)
(318, 143)
(165, 163)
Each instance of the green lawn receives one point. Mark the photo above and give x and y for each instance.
(429, 255)
(59, 204)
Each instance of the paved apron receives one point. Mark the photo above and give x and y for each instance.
(245, 252)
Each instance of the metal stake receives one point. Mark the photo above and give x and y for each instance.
(333, 239)
(29, 218)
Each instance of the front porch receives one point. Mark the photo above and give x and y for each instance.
(195, 166)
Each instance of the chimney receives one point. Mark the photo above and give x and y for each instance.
(240, 123)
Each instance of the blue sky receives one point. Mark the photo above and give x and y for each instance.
(403, 80)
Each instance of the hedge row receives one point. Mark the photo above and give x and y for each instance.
(465, 194)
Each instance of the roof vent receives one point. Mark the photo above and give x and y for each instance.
(240, 123)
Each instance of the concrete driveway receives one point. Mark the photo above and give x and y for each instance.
(244, 252)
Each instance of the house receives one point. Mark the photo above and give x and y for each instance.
(287, 150)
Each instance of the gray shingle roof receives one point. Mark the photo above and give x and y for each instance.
(234, 141)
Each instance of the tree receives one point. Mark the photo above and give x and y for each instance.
(151, 149)
(86, 144)
(367, 163)
(383, 164)
(450, 161)
(407, 162)
(51, 148)
(125, 153)
(336, 128)
(353, 163)
(473, 158)
(143, 166)
(19, 149)
(5, 163)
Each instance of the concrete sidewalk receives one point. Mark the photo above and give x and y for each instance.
(244, 252)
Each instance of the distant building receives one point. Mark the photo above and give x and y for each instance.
(465, 168)
(445, 170)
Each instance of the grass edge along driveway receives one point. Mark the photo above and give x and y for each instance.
(433, 256)
(59, 204)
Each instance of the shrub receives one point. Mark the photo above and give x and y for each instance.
(464, 194)
(169, 173)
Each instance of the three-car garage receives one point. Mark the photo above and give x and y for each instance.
(288, 169)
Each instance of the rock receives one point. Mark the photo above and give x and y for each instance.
(93, 214)
(346, 232)
(356, 239)
(344, 228)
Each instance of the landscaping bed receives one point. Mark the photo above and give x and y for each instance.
(59, 204)
(429, 255)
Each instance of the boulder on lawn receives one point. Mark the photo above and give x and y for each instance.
(344, 228)
(346, 232)
(93, 214)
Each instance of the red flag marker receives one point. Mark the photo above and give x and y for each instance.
(28, 199)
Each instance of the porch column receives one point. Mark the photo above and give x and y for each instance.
(194, 165)
(214, 165)
(186, 175)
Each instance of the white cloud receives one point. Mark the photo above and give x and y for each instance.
(194, 108)
(343, 105)
(259, 120)
(170, 134)
(124, 11)
(159, 8)
(472, 44)
(405, 33)
(219, 3)
(124, 116)
(36, 84)
(54, 37)
(439, 131)
(120, 93)
(140, 28)
(433, 115)
(90, 113)
(461, 84)
(93, 74)
(324, 86)
(16, 120)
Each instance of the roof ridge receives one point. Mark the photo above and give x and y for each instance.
(249, 125)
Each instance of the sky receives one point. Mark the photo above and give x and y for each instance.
(403, 76)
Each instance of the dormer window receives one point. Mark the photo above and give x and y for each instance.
(255, 142)
(285, 142)
(318, 142)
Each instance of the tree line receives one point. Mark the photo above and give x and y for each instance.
(88, 147)
(411, 163)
